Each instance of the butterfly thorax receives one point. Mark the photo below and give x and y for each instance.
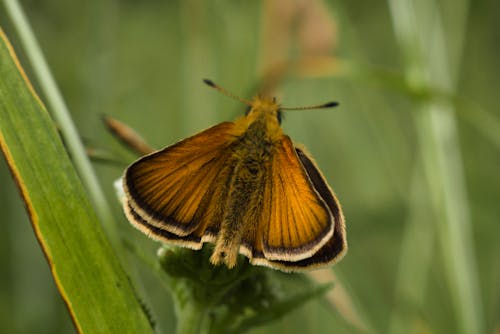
(260, 133)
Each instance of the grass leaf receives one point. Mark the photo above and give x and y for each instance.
(89, 277)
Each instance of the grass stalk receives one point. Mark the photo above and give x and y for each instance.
(86, 270)
(429, 63)
(417, 248)
(61, 114)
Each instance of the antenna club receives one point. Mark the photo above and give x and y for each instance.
(318, 106)
(209, 82)
(330, 104)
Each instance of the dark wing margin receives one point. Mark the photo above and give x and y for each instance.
(191, 241)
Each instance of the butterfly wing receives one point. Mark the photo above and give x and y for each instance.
(193, 240)
(336, 247)
(298, 220)
(301, 224)
(169, 193)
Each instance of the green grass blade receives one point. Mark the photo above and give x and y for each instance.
(432, 56)
(415, 258)
(91, 281)
(61, 114)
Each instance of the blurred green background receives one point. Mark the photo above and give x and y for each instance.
(412, 152)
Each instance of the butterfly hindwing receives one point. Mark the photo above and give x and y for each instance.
(191, 241)
(172, 189)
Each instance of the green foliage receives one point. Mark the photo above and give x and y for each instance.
(416, 262)
(85, 268)
(219, 300)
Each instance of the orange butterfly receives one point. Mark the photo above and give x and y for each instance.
(242, 186)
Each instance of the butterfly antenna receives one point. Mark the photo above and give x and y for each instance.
(226, 92)
(319, 106)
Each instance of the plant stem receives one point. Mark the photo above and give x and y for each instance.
(190, 317)
(416, 254)
(61, 114)
(430, 63)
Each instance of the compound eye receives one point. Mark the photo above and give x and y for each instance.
(247, 110)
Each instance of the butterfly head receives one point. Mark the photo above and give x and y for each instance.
(265, 108)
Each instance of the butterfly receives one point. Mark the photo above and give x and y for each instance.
(242, 186)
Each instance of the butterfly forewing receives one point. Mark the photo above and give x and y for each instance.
(296, 222)
(169, 189)
(336, 247)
